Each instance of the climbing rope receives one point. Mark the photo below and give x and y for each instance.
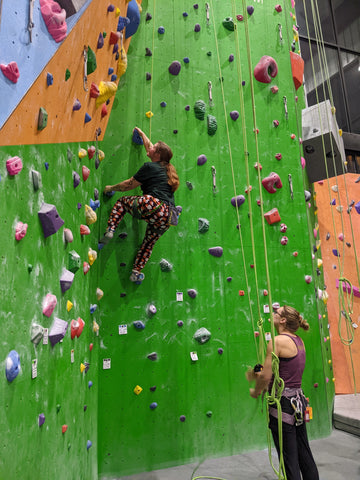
(152, 67)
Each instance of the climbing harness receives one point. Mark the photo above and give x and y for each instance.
(31, 24)
(213, 173)
(85, 54)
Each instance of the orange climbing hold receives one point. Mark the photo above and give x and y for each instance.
(297, 67)
(272, 216)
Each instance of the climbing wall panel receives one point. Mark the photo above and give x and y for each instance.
(203, 408)
(339, 233)
(63, 123)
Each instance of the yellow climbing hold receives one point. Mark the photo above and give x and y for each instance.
(117, 12)
(101, 155)
(69, 305)
(96, 328)
(122, 64)
(340, 132)
(82, 368)
(99, 293)
(82, 153)
(333, 110)
(92, 254)
(137, 390)
(325, 297)
(106, 91)
(90, 215)
(319, 262)
(149, 114)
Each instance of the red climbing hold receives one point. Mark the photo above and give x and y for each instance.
(114, 38)
(266, 69)
(11, 71)
(104, 110)
(272, 182)
(91, 151)
(297, 68)
(85, 173)
(272, 216)
(94, 90)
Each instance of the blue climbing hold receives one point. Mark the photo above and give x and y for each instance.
(88, 444)
(113, 78)
(110, 71)
(49, 79)
(153, 405)
(163, 104)
(122, 23)
(133, 15)
(186, 60)
(46, 165)
(12, 365)
(87, 118)
(161, 30)
(90, 384)
(136, 138)
(139, 325)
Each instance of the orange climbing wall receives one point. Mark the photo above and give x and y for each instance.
(64, 125)
(329, 217)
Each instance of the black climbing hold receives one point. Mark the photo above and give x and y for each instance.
(148, 76)
(148, 52)
(148, 17)
(199, 109)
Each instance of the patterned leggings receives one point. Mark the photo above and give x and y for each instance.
(148, 208)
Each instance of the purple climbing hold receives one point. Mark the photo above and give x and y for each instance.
(187, 108)
(90, 384)
(216, 251)
(46, 165)
(175, 68)
(100, 42)
(76, 105)
(192, 293)
(163, 104)
(250, 9)
(229, 279)
(197, 28)
(153, 405)
(333, 201)
(335, 252)
(79, 205)
(115, 48)
(111, 8)
(182, 417)
(50, 219)
(123, 235)
(201, 159)
(148, 17)
(220, 351)
(180, 323)
(231, 58)
(243, 83)
(185, 14)
(357, 207)
(237, 201)
(175, 131)
(66, 280)
(57, 331)
(85, 408)
(234, 115)
(196, 6)
(41, 419)
(49, 79)
(153, 388)
(148, 76)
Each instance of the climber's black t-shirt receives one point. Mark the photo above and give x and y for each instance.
(154, 181)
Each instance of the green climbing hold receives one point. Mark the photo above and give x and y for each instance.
(209, 54)
(228, 23)
(67, 75)
(91, 61)
(211, 125)
(209, 413)
(199, 109)
(74, 261)
(30, 268)
(104, 34)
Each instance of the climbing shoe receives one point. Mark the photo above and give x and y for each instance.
(137, 277)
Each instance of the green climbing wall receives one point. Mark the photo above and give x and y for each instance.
(132, 436)
(59, 391)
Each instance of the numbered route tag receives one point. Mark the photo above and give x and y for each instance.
(34, 368)
(179, 296)
(122, 329)
(106, 363)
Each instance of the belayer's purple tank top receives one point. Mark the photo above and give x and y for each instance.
(291, 369)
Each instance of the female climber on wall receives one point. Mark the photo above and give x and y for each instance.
(290, 350)
(158, 180)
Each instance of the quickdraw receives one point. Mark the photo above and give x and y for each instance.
(85, 53)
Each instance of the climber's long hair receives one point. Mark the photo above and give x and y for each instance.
(165, 157)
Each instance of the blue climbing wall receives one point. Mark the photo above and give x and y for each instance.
(203, 406)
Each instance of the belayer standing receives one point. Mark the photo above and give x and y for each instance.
(158, 180)
(290, 349)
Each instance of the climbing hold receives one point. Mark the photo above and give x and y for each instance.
(185, 14)
(239, 18)
(91, 151)
(55, 19)
(307, 196)
(197, 27)
(64, 428)
(274, 89)
(122, 23)
(136, 138)
(133, 14)
(202, 335)
(50, 219)
(186, 60)
(85, 173)
(94, 90)
(74, 261)
(149, 114)
(283, 228)
(229, 279)
(69, 305)
(278, 8)
(272, 183)
(42, 119)
(339, 208)
(84, 229)
(192, 293)
(258, 166)
(94, 204)
(151, 309)
(163, 104)
(93, 308)
(153, 405)
(57, 331)
(231, 58)
(303, 162)
(66, 280)
(293, 136)
(228, 23)
(216, 251)
(297, 68)
(10, 71)
(203, 225)
(91, 61)
(284, 240)
(266, 69)
(87, 118)
(106, 91)
(237, 201)
(148, 76)
(272, 216)
(20, 230)
(148, 17)
(100, 42)
(161, 30)
(175, 68)
(357, 207)
(165, 266)
(76, 105)
(182, 418)
(114, 38)
(82, 368)
(90, 383)
(148, 52)
(82, 153)
(179, 323)
(67, 74)
(189, 185)
(250, 10)
(49, 304)
(199, 109)
(152, 356)
(36, 179)
(90, 215)
(104, 112)
(138, 390)
(14, 165)
(139, 325)
(99, 293)
(37, 333)
(201, 160)
(234, 115)
(41, 419)
(308, 278)
(86, 268)
(88, 444)
(220, 351)
(211, 125)
(77, 326)
(276, 123)
(335, 252)
(49, 79)
(12, 365)
(92, 255)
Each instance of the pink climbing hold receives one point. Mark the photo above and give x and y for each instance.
(21, 229)
(85, 173)
(274, 89)
(303, 162)
(86, 267)
(84, 230)
(11, 71)
(308, 278)
(68, 236)
(284, 240)
(14, 165)
(54, 17)
(278, 8)
(266, 69)
(278, 156)
(272, 182)
(49, 304)
(91, 151)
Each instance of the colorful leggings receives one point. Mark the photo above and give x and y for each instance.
(148, 208)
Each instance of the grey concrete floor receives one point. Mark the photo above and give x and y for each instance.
(337, 458)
